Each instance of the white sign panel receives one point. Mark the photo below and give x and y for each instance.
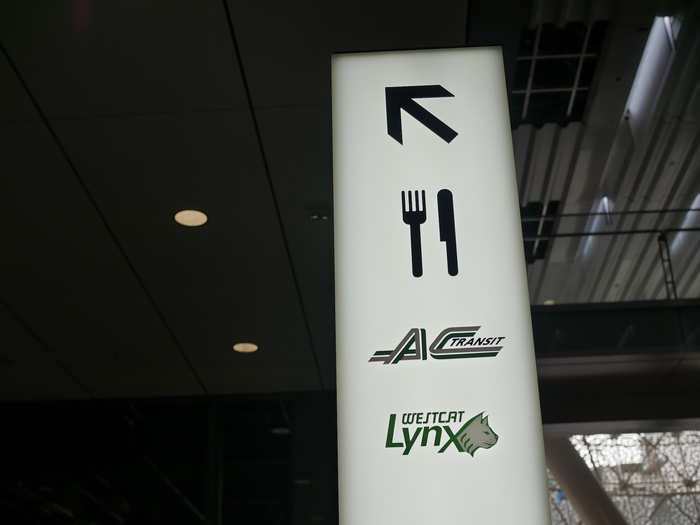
(438, 410)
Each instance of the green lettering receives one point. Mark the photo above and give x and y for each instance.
(409, 440)
(452, 439)
(426, 432)
(390, 443)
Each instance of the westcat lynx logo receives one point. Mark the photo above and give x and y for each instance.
(452, 343)
(430, 427)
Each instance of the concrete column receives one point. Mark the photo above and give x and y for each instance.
(581, 487)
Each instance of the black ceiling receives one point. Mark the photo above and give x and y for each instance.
(115, 115)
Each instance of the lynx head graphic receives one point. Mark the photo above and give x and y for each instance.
(476, 433)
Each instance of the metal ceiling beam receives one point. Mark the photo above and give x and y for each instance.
(610, 214)
(611, 232)
(589, 499)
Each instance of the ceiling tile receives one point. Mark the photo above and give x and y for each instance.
(294, 66)
(28, 371)
(63, 274)
(103, 58)
(14, 103)
(225, 282)
(297, 144)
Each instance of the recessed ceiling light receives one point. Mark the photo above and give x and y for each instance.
(190, 217)
(280, 431)
(550, 302)
(245, 348)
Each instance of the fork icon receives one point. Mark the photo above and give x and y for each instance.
(414, 216)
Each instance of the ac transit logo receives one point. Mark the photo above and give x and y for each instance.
(468, 437)
(452, 343)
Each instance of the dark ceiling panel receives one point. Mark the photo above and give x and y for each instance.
(86, 58)
(28, 370)
(64, 277)
(289, 78)
(288, 63)
(148, 100)
(226, 282)
(63, 274)
(14, 103)
(297, 143)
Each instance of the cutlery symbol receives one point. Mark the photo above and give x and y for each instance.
(446, 216)
(414, 216)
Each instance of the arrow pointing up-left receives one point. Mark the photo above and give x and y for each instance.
(398, 98)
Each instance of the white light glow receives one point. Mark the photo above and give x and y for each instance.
(605, 206)
(606, 453)
(190, 218)
(691, 220)
(650, 78)
(245, 348)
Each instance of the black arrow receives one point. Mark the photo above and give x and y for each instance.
(398, 98)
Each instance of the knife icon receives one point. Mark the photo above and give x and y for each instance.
(446, 215)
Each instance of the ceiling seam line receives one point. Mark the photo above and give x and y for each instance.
(610, 249)
(587, 215)
(681, 172)
(47, 349)
(547, 186)
(686, 283)
(273, 193)
(664, 105)
(120, 248)
(531, 73)
(610, 233)
(689, 260)
(524, 185)
(579, 68)
(686, 277)
(652, 137)
(154, 114)
(655, 173)
(573, 161)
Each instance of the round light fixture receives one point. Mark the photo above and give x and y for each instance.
(190, 217)
(245, 348)
(550, 302)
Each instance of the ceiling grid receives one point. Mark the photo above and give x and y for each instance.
(35, 390)
(273, 193)
(148, 125)
(103, 219)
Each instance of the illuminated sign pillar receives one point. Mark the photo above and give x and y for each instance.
(438, 410)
